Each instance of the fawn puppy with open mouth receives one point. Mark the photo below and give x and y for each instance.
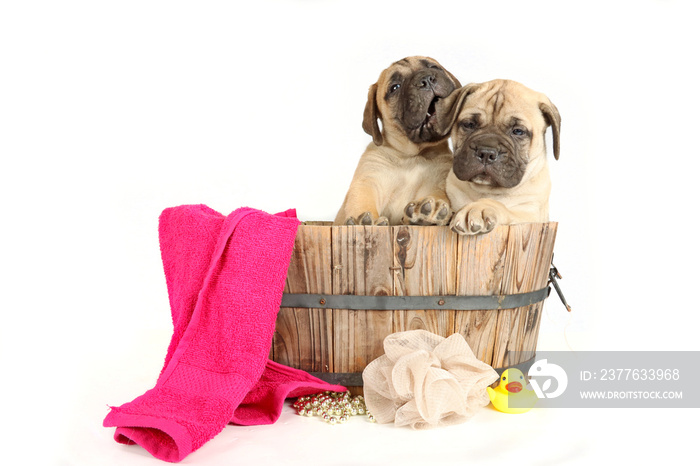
(401, 176)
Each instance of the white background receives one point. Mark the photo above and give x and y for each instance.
(112, 111)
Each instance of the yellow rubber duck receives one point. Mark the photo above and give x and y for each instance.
(510, 396)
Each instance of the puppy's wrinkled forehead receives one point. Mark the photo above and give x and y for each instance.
(402, 68)
(415, 63)
(504, 101)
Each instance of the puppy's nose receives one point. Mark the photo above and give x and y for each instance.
(425, 81)
(487, 155)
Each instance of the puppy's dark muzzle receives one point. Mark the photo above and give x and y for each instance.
(485, 159)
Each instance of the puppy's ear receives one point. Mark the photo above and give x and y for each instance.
(449, 107)
(370, 122)
(453, 78)
(552, 117)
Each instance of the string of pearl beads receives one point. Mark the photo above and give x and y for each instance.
(332, 407)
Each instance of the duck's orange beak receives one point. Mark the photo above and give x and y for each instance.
(514, 387)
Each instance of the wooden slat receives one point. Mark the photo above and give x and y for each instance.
(480, 263)
(302, 336)
(527, 262)
(362, 260)
(531, 323)
(424, 265)
(529, 329)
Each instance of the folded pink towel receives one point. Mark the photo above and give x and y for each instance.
(225, 277)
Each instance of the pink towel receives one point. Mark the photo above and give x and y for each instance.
(225, 277)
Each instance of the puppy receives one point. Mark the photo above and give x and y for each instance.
(499, 173)
(400, 177)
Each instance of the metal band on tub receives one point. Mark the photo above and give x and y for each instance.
(390, 303)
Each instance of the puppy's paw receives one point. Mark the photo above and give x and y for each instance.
(475, 219)
(367, 219)
(429, 211)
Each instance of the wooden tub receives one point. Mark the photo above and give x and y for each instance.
(348, 287)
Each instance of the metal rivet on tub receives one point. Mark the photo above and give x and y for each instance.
(322, 301)
(441, 302)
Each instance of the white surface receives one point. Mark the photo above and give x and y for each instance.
(112, 111)
(539, 437)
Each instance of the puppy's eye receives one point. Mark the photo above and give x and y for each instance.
(394, 87)
(518, 132)
(468, 125)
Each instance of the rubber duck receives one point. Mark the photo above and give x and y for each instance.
(510, 396)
